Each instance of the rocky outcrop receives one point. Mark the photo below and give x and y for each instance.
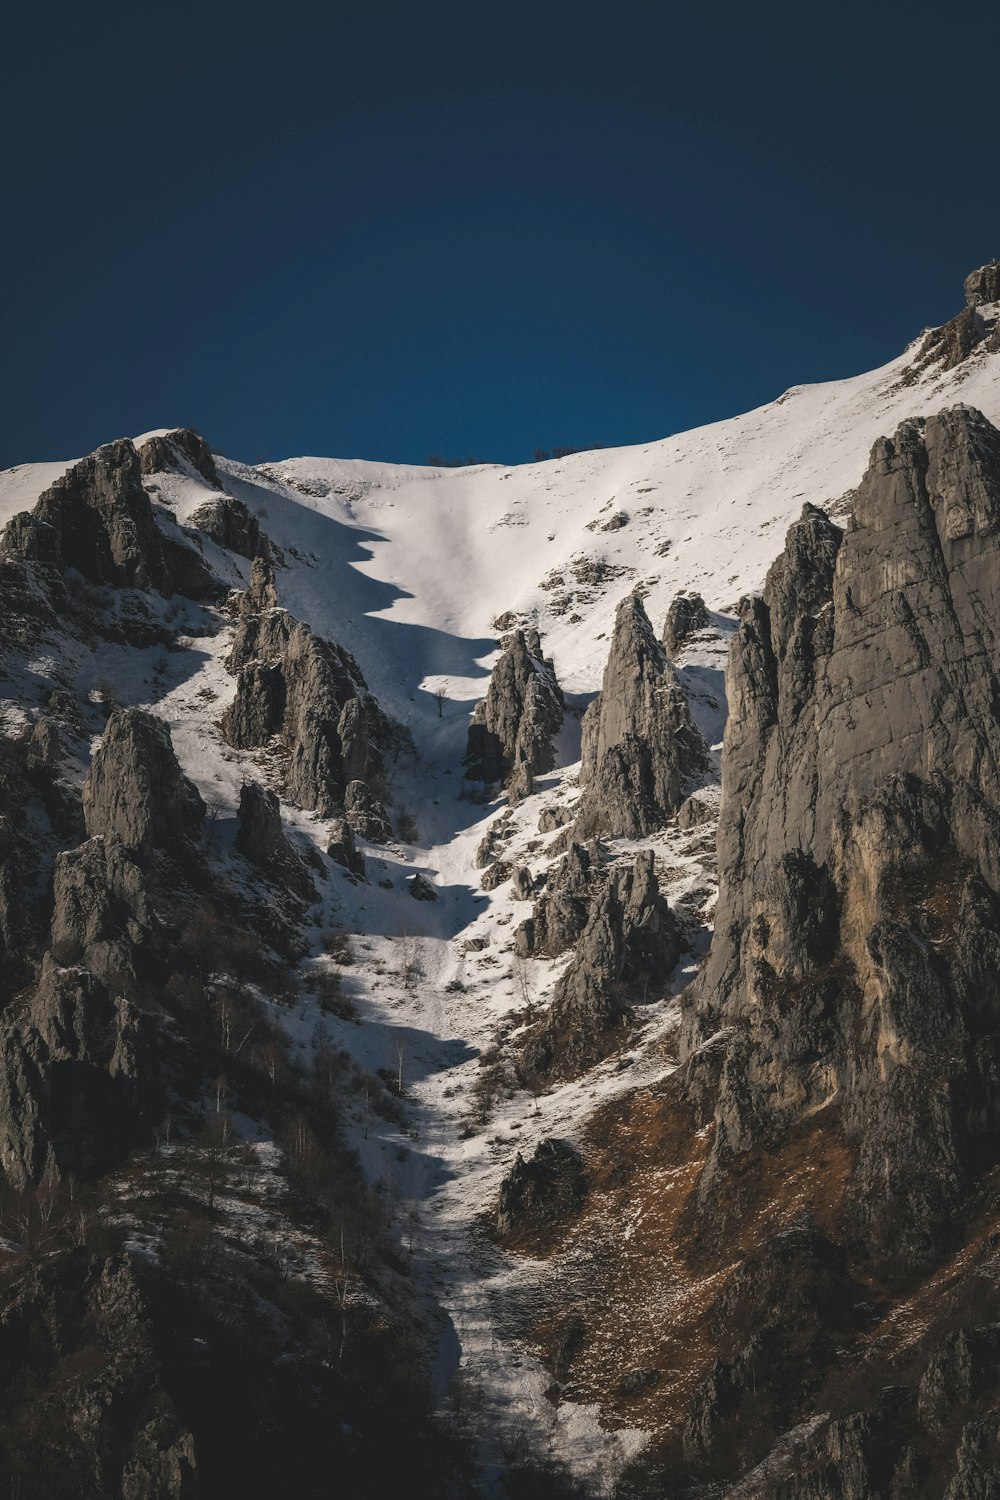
(101, 918)
(857, 945)
(624, 955)
(75, 1069)
(342, 849)
(685, 617)
(983, 286)
(98, 519)
(640, 744)
(230, 524)
(309, 692)
(420, 888)
(539, 1196)
(978, 324)
(261, 839)
(512, 728)
(365, 813)
(136, 791)
(560, 914)
(182, 449)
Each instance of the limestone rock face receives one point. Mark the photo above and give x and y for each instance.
(177, 450)
(856, 955)
(135, 789)
(685, 617)
(624, 954)
(512, 728)
(74, 1069)
(262, 840)
(640, 743)
(309, 691)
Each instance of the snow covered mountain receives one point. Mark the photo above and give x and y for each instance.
(394, 895)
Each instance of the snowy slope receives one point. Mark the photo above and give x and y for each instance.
(449, 551)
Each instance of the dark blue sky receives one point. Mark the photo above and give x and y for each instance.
(390, 228)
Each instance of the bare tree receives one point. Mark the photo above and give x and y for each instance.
(523, 976)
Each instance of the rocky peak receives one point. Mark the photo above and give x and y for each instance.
(640, 743)
(178, 450)
(101, 522)
(978, 324)
(510, 736)
(135, 789)
(983, 286)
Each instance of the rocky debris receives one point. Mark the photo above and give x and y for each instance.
(229, 524)
(640, 744)
(310, 692)
(624, 954)
(539, 1197)
(685, 617)
(495, 875)
(552, 818)
(135, 789)
(365, 813)
(261, 839)
(420, 888)
(512, 728)
(560, 914)
(496, 835)
(75, 1071)
(342, 849)
(181, 450)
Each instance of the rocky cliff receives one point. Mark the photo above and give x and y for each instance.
(847, 1020)
(640, 744)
